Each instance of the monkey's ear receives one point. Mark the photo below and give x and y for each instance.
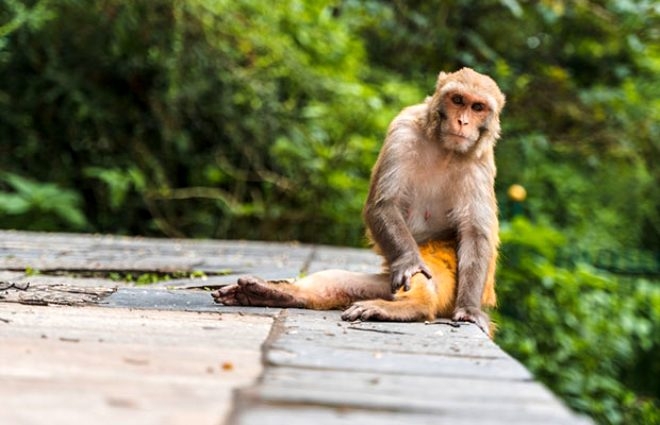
(441, 79)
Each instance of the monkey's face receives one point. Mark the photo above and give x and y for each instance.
(464, 111)
(463, 117)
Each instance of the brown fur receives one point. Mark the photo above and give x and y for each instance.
(431, 212)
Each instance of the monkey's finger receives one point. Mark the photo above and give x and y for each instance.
(406, 285)
(407, 276)
(223, 292)
(226, 296)
(352, 313)
(398, 280)
(425, 271)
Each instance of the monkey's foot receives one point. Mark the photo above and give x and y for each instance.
(381, 310)
(255, 292)
(473, 315)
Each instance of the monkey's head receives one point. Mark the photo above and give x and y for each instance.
(464, 111)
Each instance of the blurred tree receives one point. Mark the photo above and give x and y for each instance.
(217, 119)
(198, 118)
(258, 119)
(581, 79)
(590, 337)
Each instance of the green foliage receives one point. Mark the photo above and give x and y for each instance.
(29, 271)
(16, 14)
(261, 120)
(39, 206)
(200, 118)
(581, 123)
(141, 279)
(248, 119)
(119, 183)
(589, 336)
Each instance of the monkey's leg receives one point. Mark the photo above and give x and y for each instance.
(426, 299)
(256, 292)
(326, 290)
(440, 257)
(419, 303)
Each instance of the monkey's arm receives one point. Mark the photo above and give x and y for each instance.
(387, 226)
(389, 231)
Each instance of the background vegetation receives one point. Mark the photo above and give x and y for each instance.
(259, 119)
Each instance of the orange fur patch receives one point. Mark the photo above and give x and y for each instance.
(440, 257)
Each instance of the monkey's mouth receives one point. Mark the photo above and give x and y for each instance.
(460, 136)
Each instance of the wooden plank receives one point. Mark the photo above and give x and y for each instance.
(107, 366)
(403, 392)
(325, 371)
(258, 414)
(55, 251)
(147, 365)
(353, 259)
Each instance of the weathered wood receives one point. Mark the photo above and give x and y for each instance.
(44, 290)
(55, 294)
(328, 415)
(176, 299)
(48, 252)
(322, 370)
(108, 366)
(166, 354)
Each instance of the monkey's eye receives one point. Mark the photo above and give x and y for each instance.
(457, 99)
(478, 107)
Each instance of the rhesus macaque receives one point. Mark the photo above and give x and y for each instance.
(431, 213)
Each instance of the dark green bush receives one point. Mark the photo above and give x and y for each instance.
(205, 119)
(589, 336)
(260, 119)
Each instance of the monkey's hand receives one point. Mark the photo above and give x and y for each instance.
(404, 268)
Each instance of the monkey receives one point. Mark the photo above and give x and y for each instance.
(430, 212)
